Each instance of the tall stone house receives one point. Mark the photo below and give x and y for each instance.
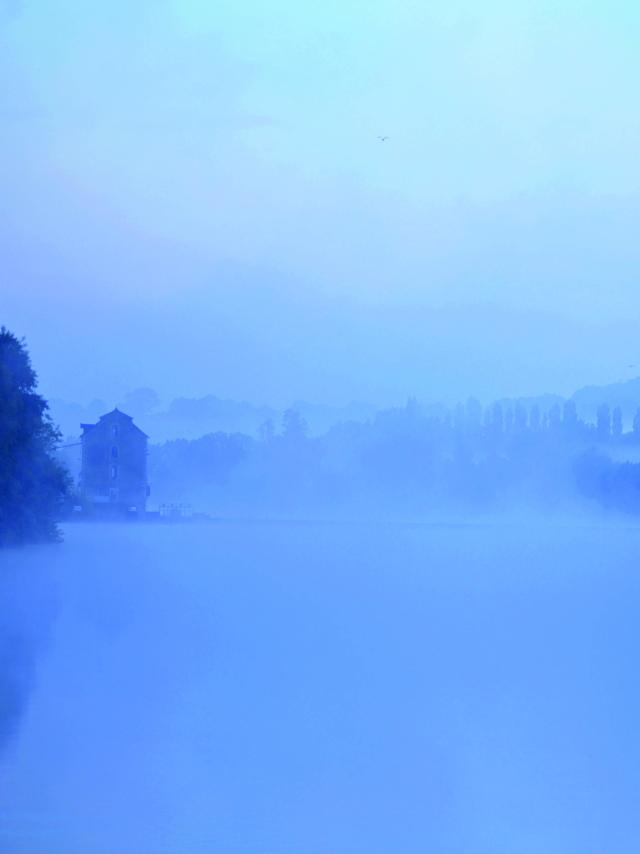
(113, 476)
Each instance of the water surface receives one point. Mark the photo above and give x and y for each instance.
(322, 689)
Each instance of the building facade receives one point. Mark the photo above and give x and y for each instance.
(113, 475)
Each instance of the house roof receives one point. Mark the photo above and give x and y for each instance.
(114, 415)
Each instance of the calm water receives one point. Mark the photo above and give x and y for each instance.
(322, 689)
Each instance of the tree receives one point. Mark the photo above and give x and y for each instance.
(294, 426)
(570, 418)
(33, 484)
(267, 431)
(141, 401)
(459, 419)
(616, 424)
(520, 418)
(603, 422)
(473, 414)
(497, 418)
(554, 417)
(534, 417)
(412, 407)
(508, 420)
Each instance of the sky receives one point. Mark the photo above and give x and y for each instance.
(194, 196)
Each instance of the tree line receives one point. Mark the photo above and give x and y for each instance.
(411, 458)
(404, 459)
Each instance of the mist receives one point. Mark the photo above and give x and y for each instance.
(320, 455)
(314, 687)
(202, 202)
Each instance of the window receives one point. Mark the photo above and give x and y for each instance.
(114, 431)
(114, 472)
(114, 453)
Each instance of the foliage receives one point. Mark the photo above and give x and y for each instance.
(33, 484)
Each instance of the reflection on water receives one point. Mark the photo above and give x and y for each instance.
(318, 688)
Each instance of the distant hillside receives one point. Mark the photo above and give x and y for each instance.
(626, 395)
(190, 418)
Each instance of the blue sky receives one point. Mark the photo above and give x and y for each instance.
(194, 196)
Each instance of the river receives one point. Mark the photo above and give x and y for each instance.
(254, 688)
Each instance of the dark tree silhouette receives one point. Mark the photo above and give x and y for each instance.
(294, 426)
(474, 414)
(497, 418)
(508, 420)
(534, 417)
(520, 418)
(570, 418)
(33, 484)
(603, 422)
(267, 430)
(616, 423)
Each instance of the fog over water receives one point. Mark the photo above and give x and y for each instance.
(363, 262)
(314, 688)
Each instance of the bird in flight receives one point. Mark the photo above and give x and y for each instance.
(383, 138)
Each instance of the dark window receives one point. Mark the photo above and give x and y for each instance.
(114, 472)
(114, 453)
